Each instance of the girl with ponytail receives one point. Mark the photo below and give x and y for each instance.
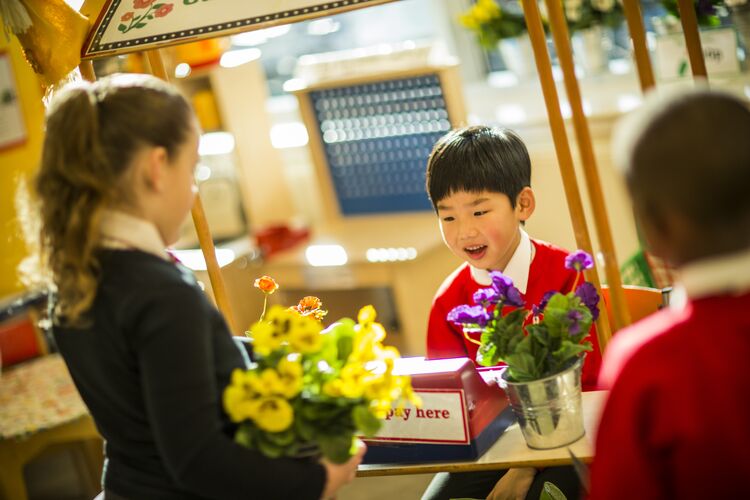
(147, 351)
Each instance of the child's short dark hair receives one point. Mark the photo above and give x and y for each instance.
(478, 158)
(690, 152)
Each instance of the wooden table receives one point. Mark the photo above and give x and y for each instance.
(510, 450)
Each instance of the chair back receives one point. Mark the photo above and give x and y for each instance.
(641, 301)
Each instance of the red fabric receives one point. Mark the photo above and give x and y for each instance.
(677, 420)
(18, 341)
(547, 272)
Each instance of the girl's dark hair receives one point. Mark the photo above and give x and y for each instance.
(93, 130)
(478, 158)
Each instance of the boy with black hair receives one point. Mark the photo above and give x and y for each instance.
(676, 421)
(479, 182)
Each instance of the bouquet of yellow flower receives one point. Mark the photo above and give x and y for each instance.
(310, 387)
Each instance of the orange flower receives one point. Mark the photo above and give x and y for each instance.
(266, 284)
(310, 306)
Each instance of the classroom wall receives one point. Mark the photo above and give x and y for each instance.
(17, 163)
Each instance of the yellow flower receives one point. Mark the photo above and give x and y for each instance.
(290, 377)
(304, 334)
(469, 21)
(267, 383)
(266, 284)
(366, 315)
(351, 375)
(238, 398)
(270, 335)
(273, 414)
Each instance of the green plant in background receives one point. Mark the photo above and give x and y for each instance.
(707, 11)
(491, 22)
(584, 14)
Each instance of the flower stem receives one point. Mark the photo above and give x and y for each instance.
(575, 283)
(265, 303)
(466, 335)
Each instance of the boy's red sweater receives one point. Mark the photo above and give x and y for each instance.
(547, 272)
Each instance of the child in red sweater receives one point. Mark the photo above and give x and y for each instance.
(676, 421)
(479, 181)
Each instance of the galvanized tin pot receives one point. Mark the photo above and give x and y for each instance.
(549, 410)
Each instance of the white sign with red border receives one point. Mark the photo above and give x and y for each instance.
(441, 419)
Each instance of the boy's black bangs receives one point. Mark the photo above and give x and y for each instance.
(495, 162)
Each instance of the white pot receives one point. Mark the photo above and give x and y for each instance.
(518, 56)
(589, 50)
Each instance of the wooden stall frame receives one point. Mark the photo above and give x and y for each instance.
(455, 107)
(562, 150)
(620, 317)
(692, 38)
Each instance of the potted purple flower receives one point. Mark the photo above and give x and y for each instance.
(544, 358)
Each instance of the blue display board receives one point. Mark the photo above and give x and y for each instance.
(377, 137)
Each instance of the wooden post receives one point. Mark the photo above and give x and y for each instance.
(634, 18)
(201, 224)
(620, 315)
(692, 38)
(87, 71)
(562, 148)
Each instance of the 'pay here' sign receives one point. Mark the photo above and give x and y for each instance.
(441, 419)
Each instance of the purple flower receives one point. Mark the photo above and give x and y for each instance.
(575, 318)
(506, 292)
(579, 261)
(539, 309)
(464, 314)
(486, 296)
(513, 297)
(500, 282)
(590, 298)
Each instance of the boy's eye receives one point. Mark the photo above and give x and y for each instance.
(448, 219)
(480, 212)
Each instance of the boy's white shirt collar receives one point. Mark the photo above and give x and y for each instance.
(729, 274)
(121, 230)
(517, 268)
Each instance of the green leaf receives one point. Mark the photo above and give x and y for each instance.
(551, 492)
(244, 436)
(521, 366)
(304, 429)
(282, 439)
(365, 421)
(140, 25)
(268, 448)
(336, 448)
(122, 27)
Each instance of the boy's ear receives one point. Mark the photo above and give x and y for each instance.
(525, 203)
(154, 168)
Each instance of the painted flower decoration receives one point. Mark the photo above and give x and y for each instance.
(142, 4)
(560, 322)
(306, 380)
(163, 10)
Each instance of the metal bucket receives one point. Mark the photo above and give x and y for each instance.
(549, 410)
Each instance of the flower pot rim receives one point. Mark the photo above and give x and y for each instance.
(578, 360)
